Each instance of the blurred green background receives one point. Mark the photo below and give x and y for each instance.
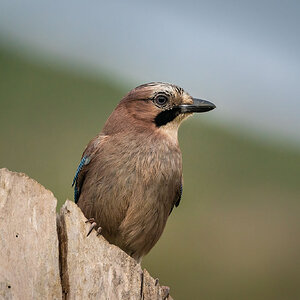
(235, 234)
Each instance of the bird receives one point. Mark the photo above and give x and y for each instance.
(130, 175)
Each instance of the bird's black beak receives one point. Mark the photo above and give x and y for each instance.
(197, 106)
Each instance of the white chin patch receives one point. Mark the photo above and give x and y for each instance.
(171, 128)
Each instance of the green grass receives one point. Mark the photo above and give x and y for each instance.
(235, 234)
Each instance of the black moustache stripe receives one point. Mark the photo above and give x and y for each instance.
(166, 116)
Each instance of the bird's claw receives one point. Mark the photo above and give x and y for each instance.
(91, 220)
(93, 225)
(91, 228)
(99, 229)
(165, 292)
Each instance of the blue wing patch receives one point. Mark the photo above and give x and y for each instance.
(84, 161)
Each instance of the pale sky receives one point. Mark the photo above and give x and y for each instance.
(242, 55)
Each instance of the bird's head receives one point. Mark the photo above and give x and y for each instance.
(157, 106)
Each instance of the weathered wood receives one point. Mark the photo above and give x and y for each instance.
(152, 289)
(95, 269)
(29, 267)
(47, 258)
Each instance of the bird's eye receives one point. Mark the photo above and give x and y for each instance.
(161, 100)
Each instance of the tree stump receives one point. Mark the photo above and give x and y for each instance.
(49, 256)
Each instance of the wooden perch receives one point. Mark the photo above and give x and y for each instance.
(44, 256)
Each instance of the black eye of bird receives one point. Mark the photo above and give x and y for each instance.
(161, 100)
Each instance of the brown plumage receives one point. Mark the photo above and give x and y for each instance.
(130, 177)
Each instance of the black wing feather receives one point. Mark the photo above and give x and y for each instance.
(178, 197)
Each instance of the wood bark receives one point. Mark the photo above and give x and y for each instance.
(49, 256)
(29, 266)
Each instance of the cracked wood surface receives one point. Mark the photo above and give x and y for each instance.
(45, 258)
(29, 267)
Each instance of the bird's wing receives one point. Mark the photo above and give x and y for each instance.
(81, 171)
(177, 196)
